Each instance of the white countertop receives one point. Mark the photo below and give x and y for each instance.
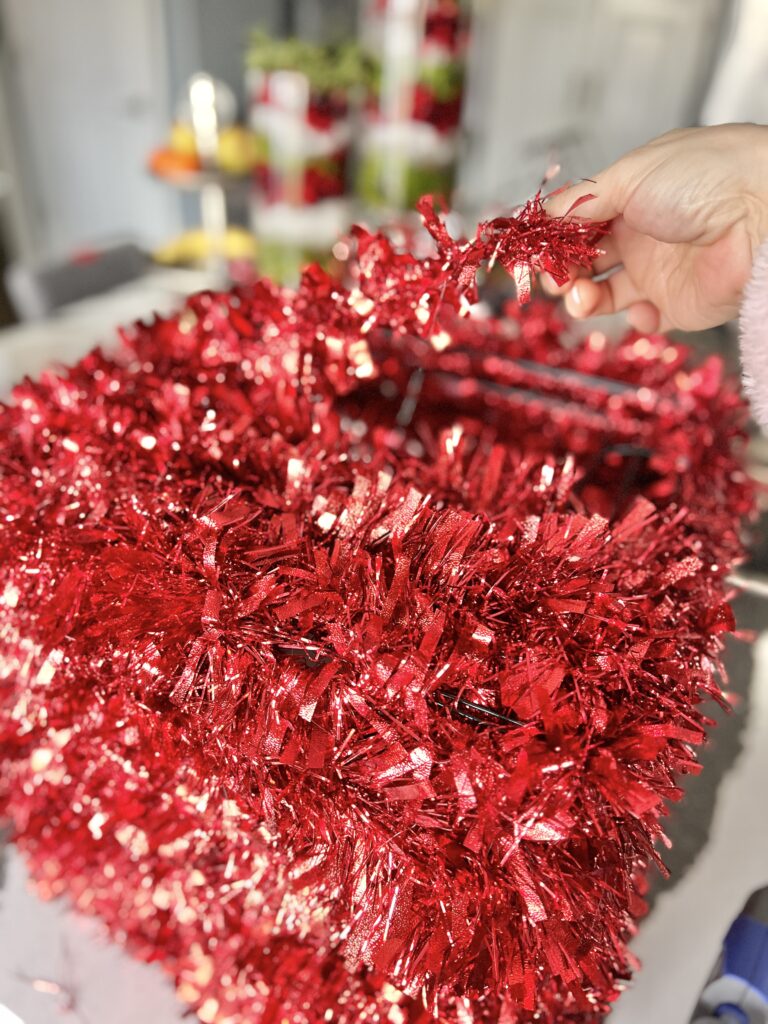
(26, 349)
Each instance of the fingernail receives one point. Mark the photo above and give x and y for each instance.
(576, 296)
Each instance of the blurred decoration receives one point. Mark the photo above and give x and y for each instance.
(331, 70)
(390, 104)
(237, 153)
(300, 99)
(193, 248)
(209, 153)
(409, 144)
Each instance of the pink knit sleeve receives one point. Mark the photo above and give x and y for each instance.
(753, 332)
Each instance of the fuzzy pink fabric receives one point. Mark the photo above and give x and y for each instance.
(753, 332)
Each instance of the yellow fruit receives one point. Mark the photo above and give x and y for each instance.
(182, 139)
(238, 150)
(194, 247)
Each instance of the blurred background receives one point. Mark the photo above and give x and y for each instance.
(154, 147)
(311, 114)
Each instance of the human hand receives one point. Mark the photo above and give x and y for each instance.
(689, 212)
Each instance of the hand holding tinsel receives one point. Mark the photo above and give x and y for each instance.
(422, 297)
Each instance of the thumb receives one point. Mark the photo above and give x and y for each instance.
(599, 198)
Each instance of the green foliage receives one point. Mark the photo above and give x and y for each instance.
(328, 68)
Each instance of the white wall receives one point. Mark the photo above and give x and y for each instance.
(87, 89)
(581, 81)
(739, 91)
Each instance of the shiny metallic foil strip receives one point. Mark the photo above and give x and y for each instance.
(351, 648)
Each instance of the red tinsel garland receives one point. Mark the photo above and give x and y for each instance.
(526, 241)
(351, 649)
